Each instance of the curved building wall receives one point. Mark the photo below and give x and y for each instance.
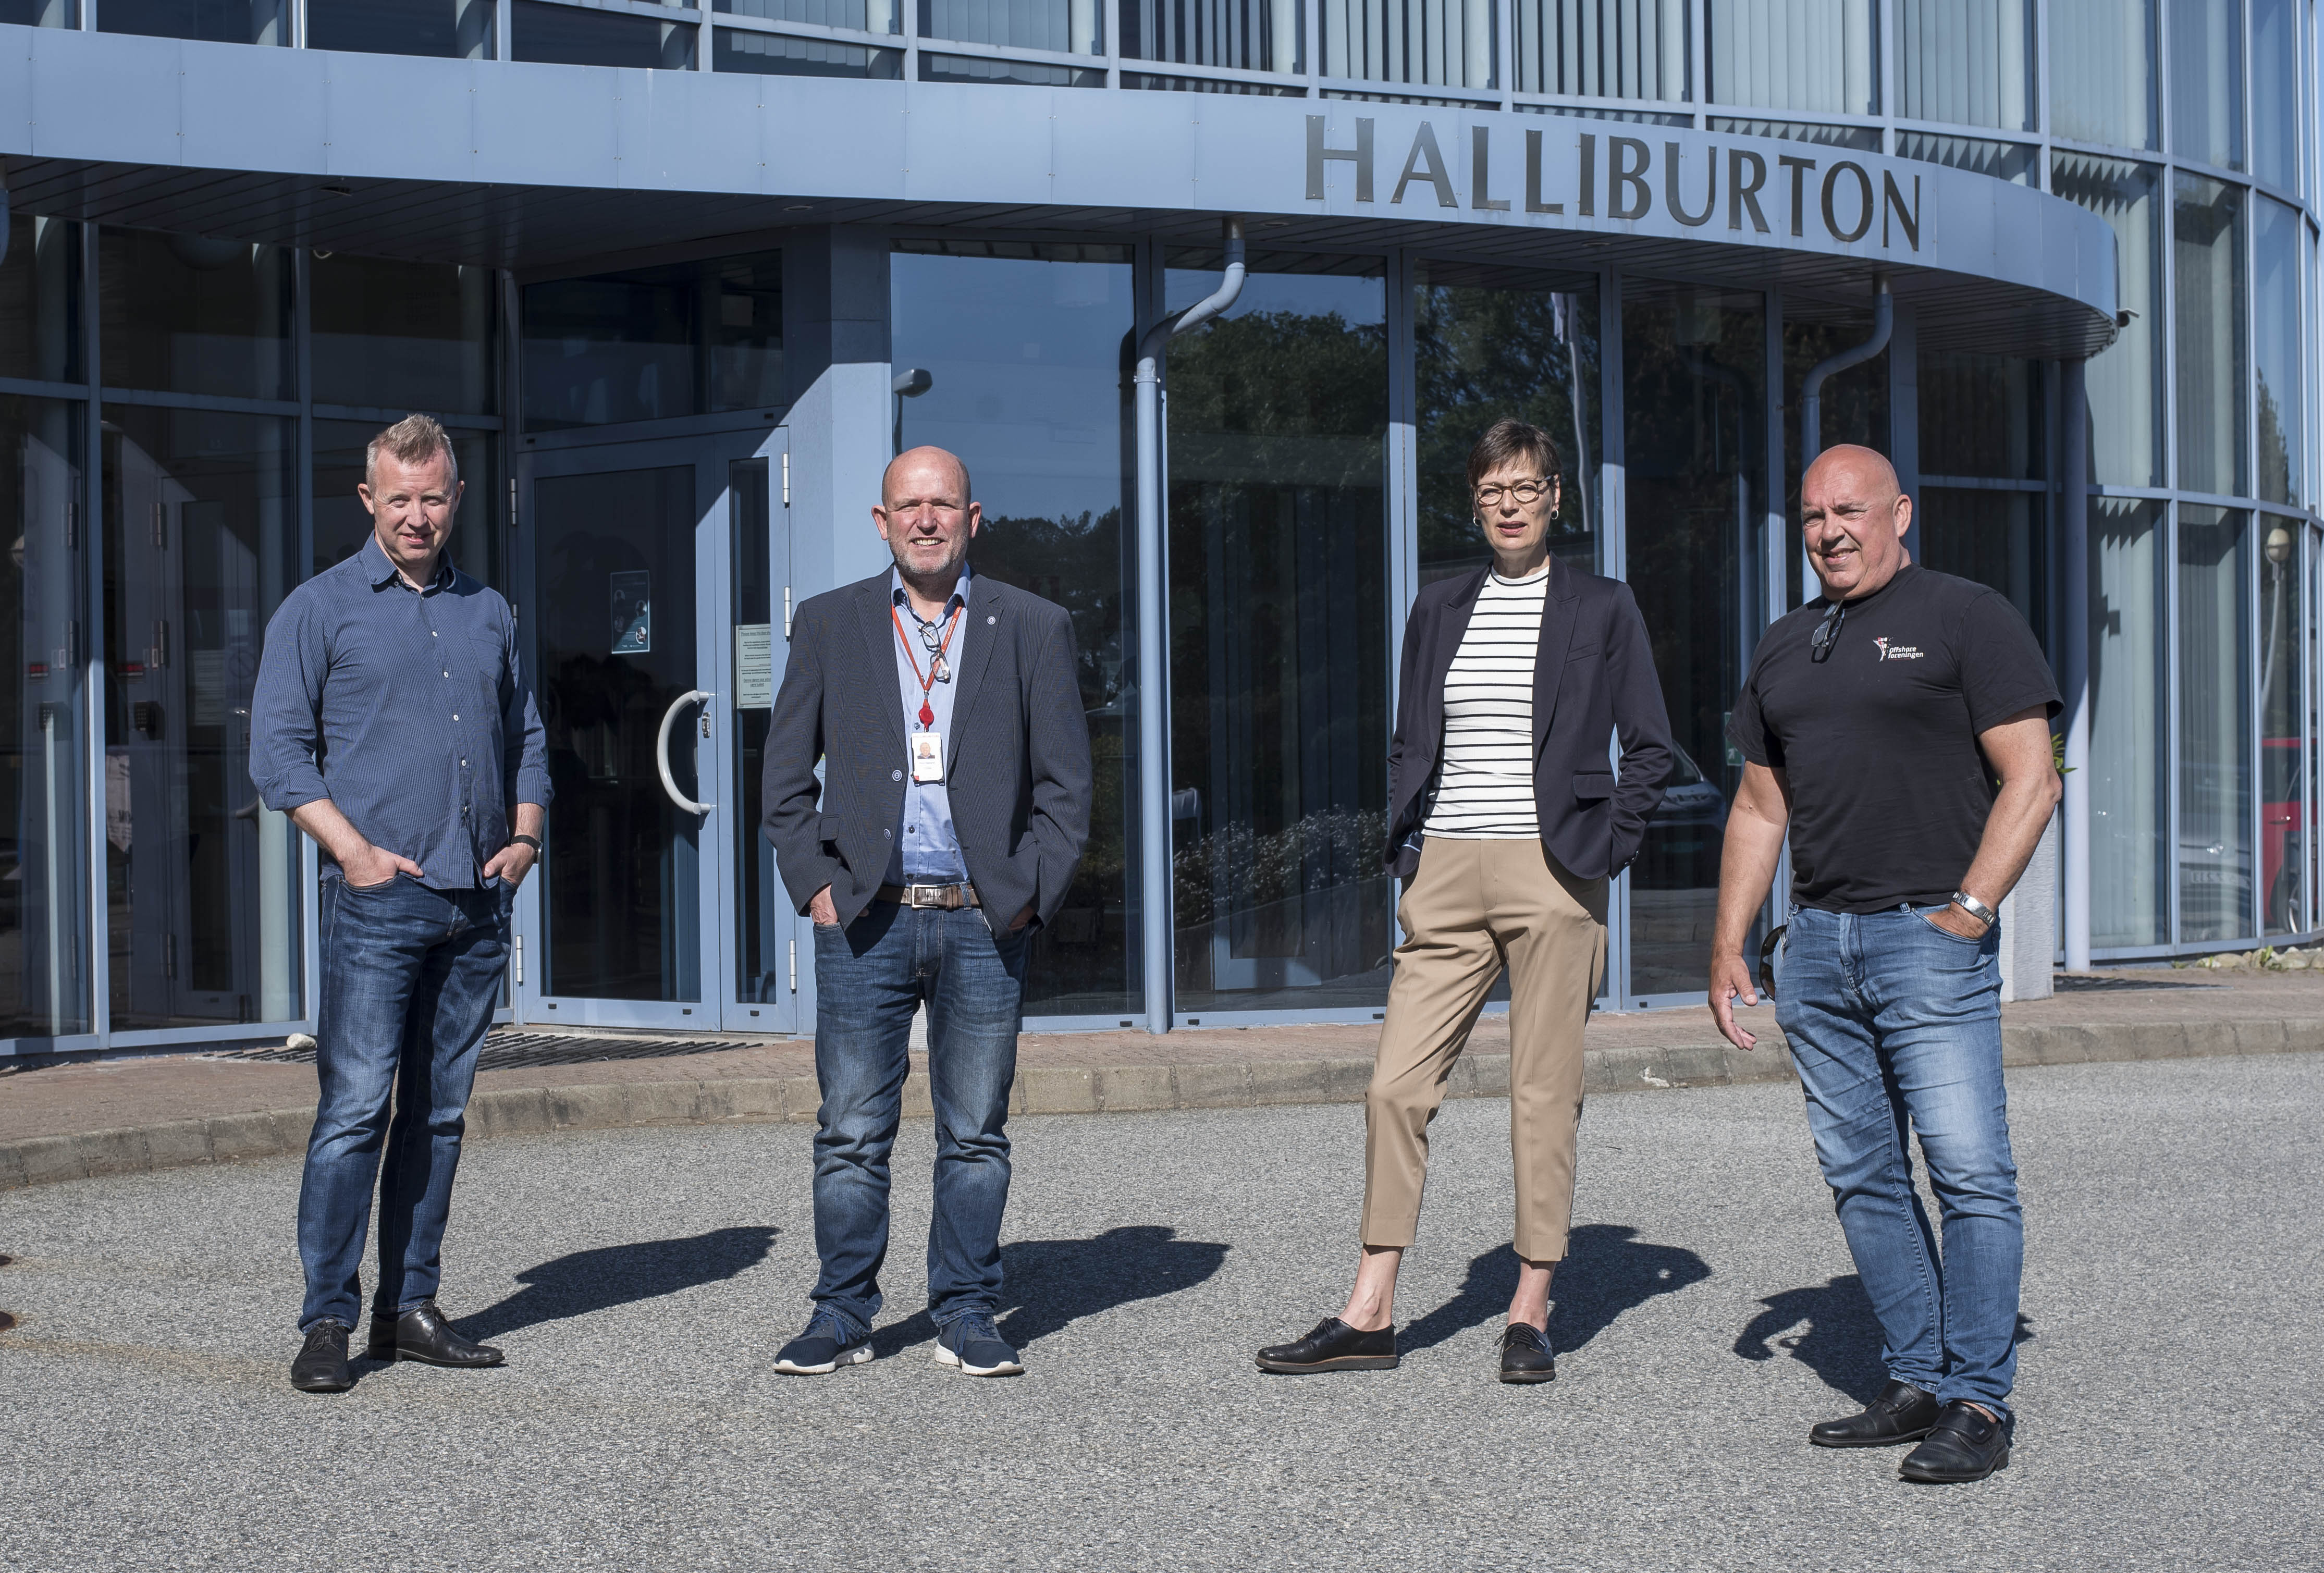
(722, 274)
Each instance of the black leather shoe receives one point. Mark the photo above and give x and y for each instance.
(322, 1363)
(1334, 1345)
(1526, 1355)
(423, 1335)
(1963, 1446)
(1901, 1413)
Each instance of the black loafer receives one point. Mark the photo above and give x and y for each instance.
(1526, 1355)
(322, 1363)
(1334, 1345)
(1962, 1446)
(1901, 1413)
(423, 1335)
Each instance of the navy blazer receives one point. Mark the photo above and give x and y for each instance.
(1017, 764)
(1593, 679)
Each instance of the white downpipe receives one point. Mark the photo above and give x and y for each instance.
(1884, 318)
(2074, 637)
(1154, 823)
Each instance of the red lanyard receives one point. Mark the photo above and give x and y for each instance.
(927, 714)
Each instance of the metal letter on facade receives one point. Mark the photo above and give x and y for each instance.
(1670, 188)
(1428, 162)
(1587, 206)
(1622, 175)
(1892, 201)
(1360, 155)
(1799, 169)
(1480, 158)
(1741, 193)
(1534, 204)
(1864, 208)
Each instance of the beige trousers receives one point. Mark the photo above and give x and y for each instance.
(1473, 907)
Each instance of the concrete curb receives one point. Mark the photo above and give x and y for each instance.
(1069, 1089)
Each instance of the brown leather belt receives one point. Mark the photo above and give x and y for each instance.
(951, 897)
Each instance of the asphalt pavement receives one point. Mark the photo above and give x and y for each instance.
(641, 1280)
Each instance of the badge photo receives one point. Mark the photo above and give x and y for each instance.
(927, 756)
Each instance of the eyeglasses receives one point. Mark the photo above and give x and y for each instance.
(1525, 493)
(1827, 634)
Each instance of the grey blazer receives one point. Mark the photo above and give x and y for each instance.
(1018, 761)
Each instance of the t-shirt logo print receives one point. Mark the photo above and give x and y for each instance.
(1897, 653)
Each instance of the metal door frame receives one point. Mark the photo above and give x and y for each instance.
(711, 455)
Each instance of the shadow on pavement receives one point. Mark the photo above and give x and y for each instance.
(1606, 1271)
(1841, 1343)
(1842, 1340)
(1049, 1284)
(611, 1275)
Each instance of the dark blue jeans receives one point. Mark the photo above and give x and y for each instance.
(410, 979)
(1896, 1025)
(870, 978)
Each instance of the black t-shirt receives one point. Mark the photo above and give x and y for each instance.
(1889, 790)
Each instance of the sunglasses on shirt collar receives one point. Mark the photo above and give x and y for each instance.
(1827, 634)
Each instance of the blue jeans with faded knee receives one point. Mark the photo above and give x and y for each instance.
(1896, 1027)
(870, 979)
(410, 975)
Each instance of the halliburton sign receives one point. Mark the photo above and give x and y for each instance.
(1625, 177)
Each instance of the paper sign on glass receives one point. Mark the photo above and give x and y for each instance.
(632, 599)
(754, 665)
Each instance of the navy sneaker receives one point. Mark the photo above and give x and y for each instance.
(971, 1344)
(827, 1344)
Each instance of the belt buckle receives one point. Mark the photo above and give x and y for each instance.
(924, 895)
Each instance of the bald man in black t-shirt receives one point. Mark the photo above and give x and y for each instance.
(1898, 727)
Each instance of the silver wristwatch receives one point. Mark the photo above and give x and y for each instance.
(1975, 908)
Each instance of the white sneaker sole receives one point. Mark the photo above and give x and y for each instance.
(855, 1356)
(947, 1358)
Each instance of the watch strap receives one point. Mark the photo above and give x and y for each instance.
(1975, 908)
(529, 840)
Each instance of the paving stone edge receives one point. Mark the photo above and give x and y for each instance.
(1070, 1090)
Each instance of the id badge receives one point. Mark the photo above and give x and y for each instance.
(927, 756)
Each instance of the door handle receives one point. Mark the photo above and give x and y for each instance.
(662, 751)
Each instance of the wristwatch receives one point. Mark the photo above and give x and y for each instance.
(527, 841)
(1975, 908)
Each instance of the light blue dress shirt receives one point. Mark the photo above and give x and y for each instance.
(927, 851)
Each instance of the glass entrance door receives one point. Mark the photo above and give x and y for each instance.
(653, 591)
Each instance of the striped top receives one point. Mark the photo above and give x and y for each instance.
(1484, 782)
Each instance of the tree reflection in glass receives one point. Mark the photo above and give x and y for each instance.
(1278, 577)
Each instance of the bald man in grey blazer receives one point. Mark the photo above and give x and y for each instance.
(952, 810)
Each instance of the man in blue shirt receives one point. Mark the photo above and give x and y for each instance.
(951, 811)
(392, 722)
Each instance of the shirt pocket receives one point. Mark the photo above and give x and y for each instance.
(489, 655)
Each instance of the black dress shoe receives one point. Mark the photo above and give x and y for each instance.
(322, 1363)
(1963, 1446)
(1901, 1413)
(1526, 1355)
(423, 1335)
(1334, 1345)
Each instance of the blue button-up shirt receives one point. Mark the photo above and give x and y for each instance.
(927, 851)
(407, 708)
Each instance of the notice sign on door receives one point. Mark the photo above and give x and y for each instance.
(754, 665)
(632, 598)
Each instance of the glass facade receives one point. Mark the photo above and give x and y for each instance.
(1490, 342)
(200, 532)
(1025, 357)
(183, 418)
(1694, 365)
(1280, 638)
